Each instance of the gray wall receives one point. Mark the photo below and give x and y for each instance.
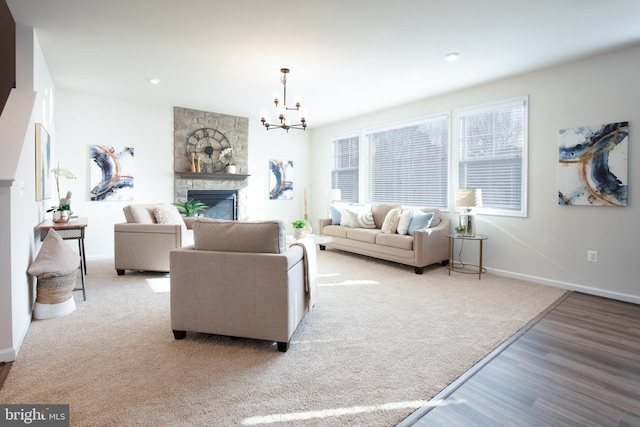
(550, 245)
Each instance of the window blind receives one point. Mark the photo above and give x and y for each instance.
(345, 169)
(408, 163)
(492, 145)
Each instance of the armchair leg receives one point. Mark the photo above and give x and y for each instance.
(120, 272)
(282, 346)
(179, 335)
(419, 270)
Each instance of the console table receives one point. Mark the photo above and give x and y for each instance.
(451, 266)
(70, 230)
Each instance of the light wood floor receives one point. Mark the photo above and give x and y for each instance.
(579, 365)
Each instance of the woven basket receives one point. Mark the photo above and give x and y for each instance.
(55, 289)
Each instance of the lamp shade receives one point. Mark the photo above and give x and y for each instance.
(334, 194)
(469, 197)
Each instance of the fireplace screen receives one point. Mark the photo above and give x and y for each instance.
(223, 204)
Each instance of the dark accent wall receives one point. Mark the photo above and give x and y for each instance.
(7, 53)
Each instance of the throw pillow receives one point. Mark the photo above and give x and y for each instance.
(336, 215)
(167, 214)
(55, 258)
(405, 220)
(353, 217)
(390, 224)
(420, 220)
(345, 218)
(365, 218)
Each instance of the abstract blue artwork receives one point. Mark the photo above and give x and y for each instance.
(593, 165)
(280, 179)
(111, 173)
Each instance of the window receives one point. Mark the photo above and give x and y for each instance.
(492, 142)
(345, 168)
(408, 163)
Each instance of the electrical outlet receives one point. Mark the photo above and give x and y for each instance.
(592, 256)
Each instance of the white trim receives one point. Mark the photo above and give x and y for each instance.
(568, 286)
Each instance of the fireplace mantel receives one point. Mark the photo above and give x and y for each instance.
(213, 176)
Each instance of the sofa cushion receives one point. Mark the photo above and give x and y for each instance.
(335, 231)
(167, 214)
(420, 220)
(380, 212)
(140, 214)
(390, 224)
(400, 241)
(239, 236)
(405, 220)
(363, 234)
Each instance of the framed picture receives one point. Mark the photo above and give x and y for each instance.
(593, 165)
(43, 163)
(112, 172)
(280, 179)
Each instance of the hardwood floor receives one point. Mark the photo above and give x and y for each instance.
(579, 365)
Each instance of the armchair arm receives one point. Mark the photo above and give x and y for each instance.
(145, 246)
(323, 222)
(132, 227)
(431, 245)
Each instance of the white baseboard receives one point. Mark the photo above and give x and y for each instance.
(7, 355)
(568, 286)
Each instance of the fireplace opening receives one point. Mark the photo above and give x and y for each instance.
(223, 204)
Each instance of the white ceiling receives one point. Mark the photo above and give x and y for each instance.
(347, 57)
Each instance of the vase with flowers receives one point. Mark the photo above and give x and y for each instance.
(225, 158)
(61, 212)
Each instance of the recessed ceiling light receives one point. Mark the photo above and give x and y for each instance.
(154, 81)
(452, 56)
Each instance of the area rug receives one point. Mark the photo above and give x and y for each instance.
(379, 344)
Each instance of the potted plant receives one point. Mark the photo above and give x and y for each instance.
(298, 226)
(190, 208)
(225, 157)
(61, 212)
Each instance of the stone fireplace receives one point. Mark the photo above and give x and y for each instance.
(204, 134)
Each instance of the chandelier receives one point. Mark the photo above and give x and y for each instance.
(282, 110)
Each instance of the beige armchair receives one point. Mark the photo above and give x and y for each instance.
(240, 280)
(142, 243)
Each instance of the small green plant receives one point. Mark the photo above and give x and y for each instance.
(299, 223)
(190, 207)
(460, 228)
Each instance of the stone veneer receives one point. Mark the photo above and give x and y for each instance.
(234, 128)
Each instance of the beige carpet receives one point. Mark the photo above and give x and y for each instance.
(380, 342)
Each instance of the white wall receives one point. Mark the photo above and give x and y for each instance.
(550, 245)
(83, 119)
(31, 102)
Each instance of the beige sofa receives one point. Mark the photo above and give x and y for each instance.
(144, 243)
(424, 246)
(239, 279)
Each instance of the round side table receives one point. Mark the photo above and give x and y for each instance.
(480, 238)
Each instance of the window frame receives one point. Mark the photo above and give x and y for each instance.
(494, 106)
(365, 155)
(333, 140)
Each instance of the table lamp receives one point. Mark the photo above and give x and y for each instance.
(467, 199)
